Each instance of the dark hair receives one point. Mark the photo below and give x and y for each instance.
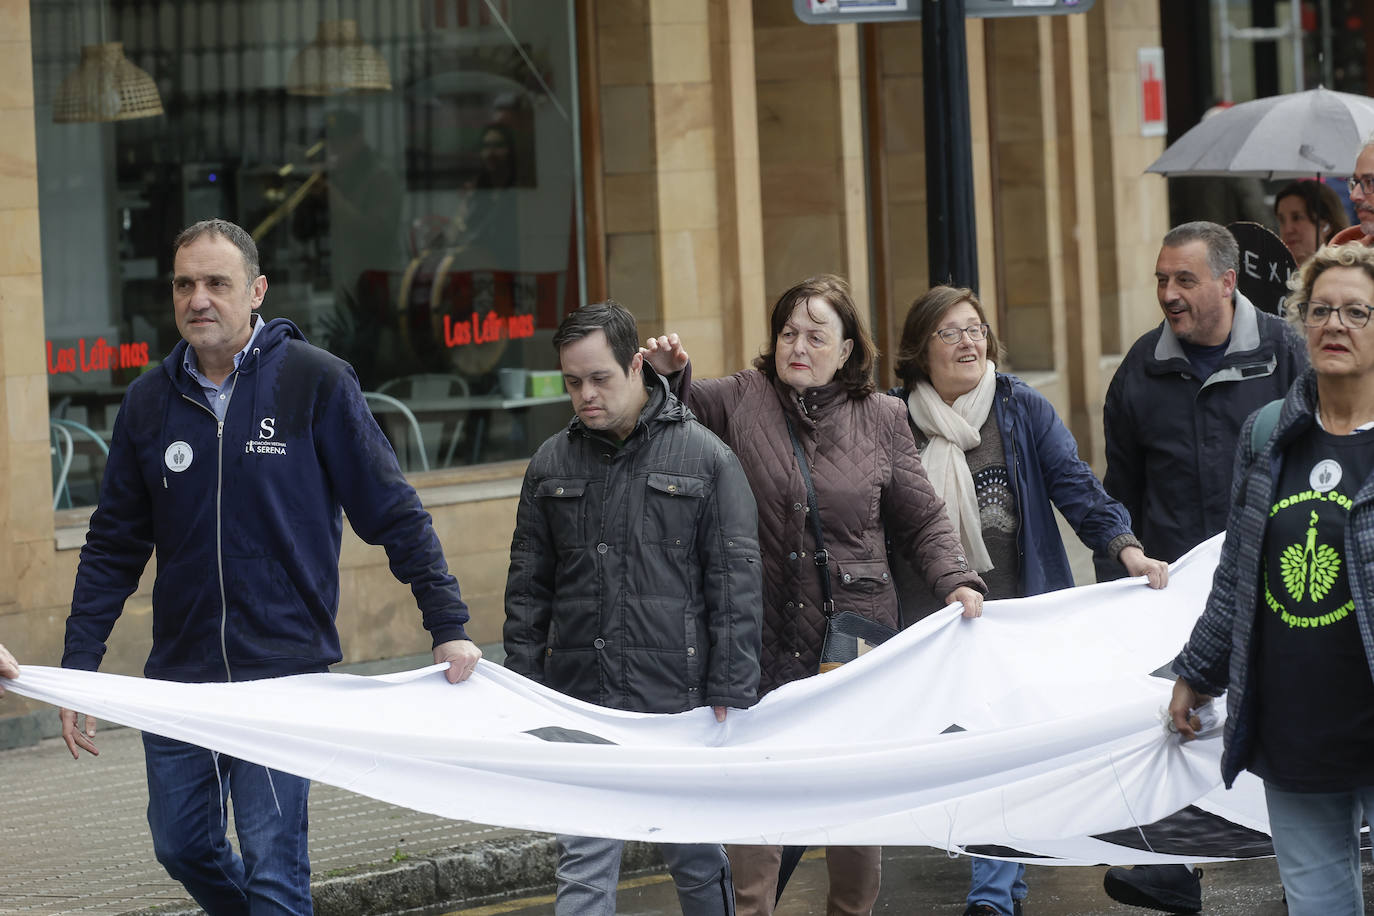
(609, 317)
(856, 375)
(225, 230)
(484, 178)
(1302, 283)
(1223, 253)
(1320, 202)
(923, 320)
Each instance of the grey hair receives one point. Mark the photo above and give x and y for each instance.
(224, 229)
(1223, 253)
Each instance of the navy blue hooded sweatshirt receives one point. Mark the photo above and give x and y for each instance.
(246, 519)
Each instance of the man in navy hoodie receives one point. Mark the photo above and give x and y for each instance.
(234, 460)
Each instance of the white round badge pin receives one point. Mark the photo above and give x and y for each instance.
(178, 456)
(1325, 475)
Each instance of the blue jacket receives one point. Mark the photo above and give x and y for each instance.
(1218, 653)
(245, 518)
(1042, 458)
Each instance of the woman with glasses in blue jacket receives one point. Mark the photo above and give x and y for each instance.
(1001, 459)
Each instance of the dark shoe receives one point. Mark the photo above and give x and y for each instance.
(982, 909)
(1171, 888)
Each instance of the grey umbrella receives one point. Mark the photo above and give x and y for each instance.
(1298, 135)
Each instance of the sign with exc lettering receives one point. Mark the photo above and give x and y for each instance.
(833, 12)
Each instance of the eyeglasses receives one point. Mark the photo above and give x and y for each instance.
(1364, 182)
(1352, 315)
(952, 336)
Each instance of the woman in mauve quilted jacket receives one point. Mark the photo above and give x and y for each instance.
(816, 373)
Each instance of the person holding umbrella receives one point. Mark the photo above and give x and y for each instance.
(1309, 214)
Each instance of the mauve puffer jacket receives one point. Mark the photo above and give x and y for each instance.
(870, 488)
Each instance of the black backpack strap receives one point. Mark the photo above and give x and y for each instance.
(1266, 418)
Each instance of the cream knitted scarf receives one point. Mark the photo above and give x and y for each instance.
(953, 430)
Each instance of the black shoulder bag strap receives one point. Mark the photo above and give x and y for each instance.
(792, 855)
(813, 512)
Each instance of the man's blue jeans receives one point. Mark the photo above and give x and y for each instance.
(188, 791)
(1317, 845)
(996, 883)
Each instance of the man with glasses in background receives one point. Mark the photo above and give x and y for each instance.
(1172, 417)
(1362, 198)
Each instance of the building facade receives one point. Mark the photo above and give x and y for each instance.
(431, 218)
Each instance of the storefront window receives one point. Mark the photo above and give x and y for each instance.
(426, 232)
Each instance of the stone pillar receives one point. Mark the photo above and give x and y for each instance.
(1132, 207)
(680, 155)
(743, 291)
(1023, 108)
(26, 516)
(26, 526)
(1078, 236)
(627, 156)
(901, 196)
(810, 134)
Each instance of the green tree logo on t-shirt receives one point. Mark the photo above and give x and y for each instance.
(1311, 567)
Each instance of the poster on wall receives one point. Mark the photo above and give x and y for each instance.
(1150, 77)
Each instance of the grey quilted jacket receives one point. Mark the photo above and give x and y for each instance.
(1217, 655)
(635, 576)
(870, 488)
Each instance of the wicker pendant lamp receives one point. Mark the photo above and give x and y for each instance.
(337, 60)
(105, 86)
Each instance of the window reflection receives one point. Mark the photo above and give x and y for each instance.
(426, 234)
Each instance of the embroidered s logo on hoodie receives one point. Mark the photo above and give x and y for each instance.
(178, 456)
(263, 444)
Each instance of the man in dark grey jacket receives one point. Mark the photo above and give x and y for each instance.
(1172, 417)
(1177, 402)
(635, 578)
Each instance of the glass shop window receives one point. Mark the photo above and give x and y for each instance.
(409, 171)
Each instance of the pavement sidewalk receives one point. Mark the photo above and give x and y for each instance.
(74, 839)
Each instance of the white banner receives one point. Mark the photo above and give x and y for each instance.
(1033, 732)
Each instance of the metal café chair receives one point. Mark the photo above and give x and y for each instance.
(62, 448)
(435, 387)
(377, 397)
(64, 451)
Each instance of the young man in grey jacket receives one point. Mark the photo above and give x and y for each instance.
(635, 578)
